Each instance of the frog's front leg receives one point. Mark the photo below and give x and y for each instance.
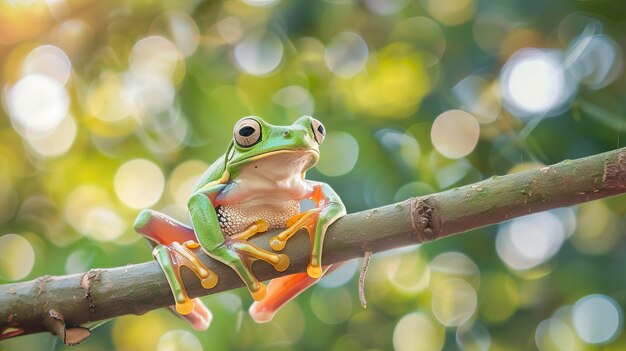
(165, 235)
(235, 250)
(328, 209)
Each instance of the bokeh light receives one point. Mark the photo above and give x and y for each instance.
(184, 178)
(529, 241)
(597, 60)
(455, 133)
(534, 82)
(386, 7)
(259, 53)
(139, 183)
(598, 229)
(454, 265)
(17, 257)
(180, 28)
(296, 100)
(451, 12)
(454, 302)
(37, 102)
(417, 329)
(341, 151)
(346, 54)
(50, 61)
(392, 86)
(475, 337)
(597, 319)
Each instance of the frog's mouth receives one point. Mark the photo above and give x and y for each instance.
(285, 160)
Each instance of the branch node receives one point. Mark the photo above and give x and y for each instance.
(422, 211)
(615, 172)
(70, 336)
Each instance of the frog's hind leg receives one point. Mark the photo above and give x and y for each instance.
(162, 229)
(282, 290)
(165, 236)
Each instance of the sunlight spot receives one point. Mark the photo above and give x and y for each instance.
(475, 337)
(408, 272)
(597, 319)
(37, 102)
(451, 12)
(261, 3)
(454, 302)
(341, 152)
(529, 241)
(533, 82)
(453, 264)
(346, 54)
(139, 183)
(17, 257)
(48, 60)
(154, 55)
(296, 100)
(418, 329)
(78, 261)
(56, 142)
(184, 178)
(104, 224)
(105, 98)
(386, 7)
(455, 133)
(259, 54)
(180, 28)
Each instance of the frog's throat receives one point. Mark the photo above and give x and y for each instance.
(314, 153)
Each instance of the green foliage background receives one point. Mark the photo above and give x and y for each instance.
(165, 81)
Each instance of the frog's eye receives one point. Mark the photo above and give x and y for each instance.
(318, 131)
(247, 132)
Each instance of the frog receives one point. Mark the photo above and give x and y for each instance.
(257, 185)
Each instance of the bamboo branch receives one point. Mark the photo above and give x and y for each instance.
(62, 304)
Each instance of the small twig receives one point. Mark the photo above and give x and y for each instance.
(366, 263)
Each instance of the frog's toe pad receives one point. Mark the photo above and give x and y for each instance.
(276, 244)
(259, 293)
(210, 282)
(185, 307)
(283, 263)
(314, 271)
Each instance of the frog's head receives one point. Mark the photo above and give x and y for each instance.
(256, 141)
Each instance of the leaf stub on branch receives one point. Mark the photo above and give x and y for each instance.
(70, 336)
(615, 172)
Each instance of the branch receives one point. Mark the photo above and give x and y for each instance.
(62, 304)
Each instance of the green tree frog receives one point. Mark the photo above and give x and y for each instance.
(257, 185)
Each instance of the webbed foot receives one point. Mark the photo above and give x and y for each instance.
(171, 258)
(308, 221)
(240, 254)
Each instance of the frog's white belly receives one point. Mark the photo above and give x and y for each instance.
(236, 218)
